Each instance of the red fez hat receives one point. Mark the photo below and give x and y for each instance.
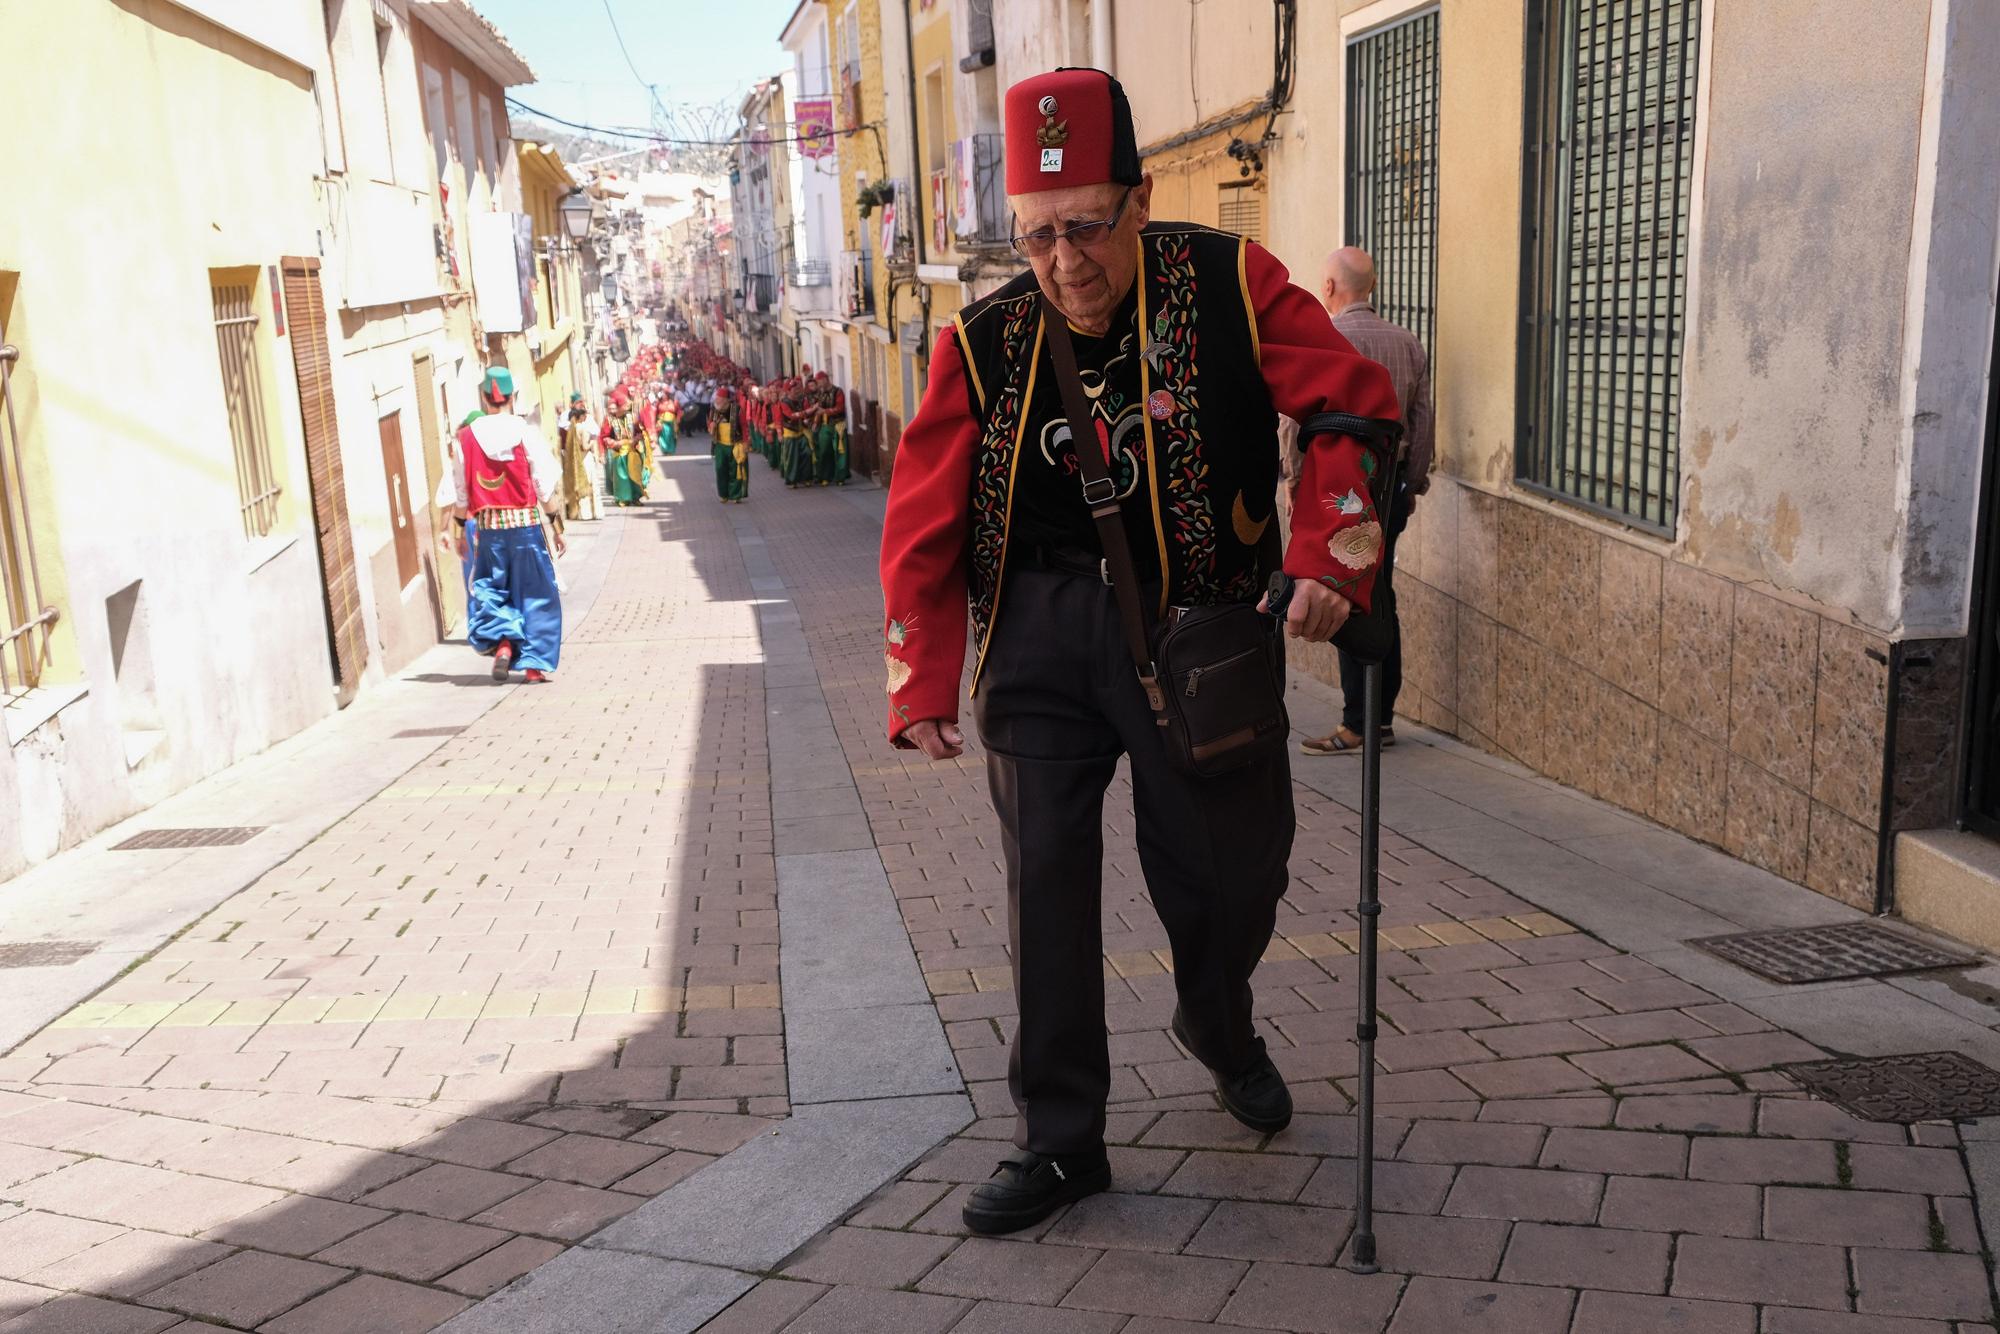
(1069, 127)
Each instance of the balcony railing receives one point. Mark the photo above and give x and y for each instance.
(857, 283)
(809, 272)
(978, 192)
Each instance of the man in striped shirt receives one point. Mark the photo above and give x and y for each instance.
(1347, 290)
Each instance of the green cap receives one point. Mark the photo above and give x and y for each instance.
(499, 383)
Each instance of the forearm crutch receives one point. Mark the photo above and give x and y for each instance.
(1369, 911)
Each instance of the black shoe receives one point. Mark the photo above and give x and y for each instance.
(1028, 1187)
(1257, 1096)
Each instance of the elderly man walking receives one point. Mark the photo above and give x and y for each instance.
(1082, 479)
(1347, 291)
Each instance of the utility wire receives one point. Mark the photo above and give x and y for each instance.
(622, 50)
(653, 136)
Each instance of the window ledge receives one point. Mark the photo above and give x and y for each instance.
(28, 710)
(264, 550)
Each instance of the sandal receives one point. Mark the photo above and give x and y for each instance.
(1338, 742)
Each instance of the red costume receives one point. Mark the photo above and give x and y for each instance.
(987, 523)
(1307, 367)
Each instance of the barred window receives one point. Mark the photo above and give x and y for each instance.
(1241, 210)
(234, 298)
(1610, 168)
(1392, 165)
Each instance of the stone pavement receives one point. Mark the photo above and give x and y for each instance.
(535, 982)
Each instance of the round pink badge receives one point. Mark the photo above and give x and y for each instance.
(1161, 405)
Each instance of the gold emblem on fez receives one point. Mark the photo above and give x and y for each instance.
(1053, 134)
(1357, 547)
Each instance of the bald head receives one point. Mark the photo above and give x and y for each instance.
(1349, 278)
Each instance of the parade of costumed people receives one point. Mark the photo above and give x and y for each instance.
(798, 423)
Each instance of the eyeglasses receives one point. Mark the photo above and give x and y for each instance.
(1042, 241)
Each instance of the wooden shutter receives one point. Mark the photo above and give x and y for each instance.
(313, 361)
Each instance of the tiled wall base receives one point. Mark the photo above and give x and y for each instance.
(1722, 712)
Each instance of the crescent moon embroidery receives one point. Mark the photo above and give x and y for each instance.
(1248, 530)
(495, 483)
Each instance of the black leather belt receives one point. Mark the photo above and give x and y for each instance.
(1066, 560)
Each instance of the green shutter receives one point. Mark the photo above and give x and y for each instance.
(1392, 142)
(1610, 172)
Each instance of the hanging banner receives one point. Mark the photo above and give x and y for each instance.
(813, 117)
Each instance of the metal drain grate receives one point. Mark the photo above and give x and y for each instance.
(1824, 953)
(189, 838)
(1926, 1086)
(44, 953)
(428, 731)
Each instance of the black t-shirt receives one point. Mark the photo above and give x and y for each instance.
(1049, 509)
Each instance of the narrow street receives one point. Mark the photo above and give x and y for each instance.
(668, 997)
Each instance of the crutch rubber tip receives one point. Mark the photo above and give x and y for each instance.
(1364, 1255)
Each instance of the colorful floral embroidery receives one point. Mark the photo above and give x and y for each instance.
(1357, 547)
(899, 672)
(899, 631)
(993, 470)
(1189, 511)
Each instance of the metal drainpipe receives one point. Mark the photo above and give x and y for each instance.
(917, 225)
(1100, 36)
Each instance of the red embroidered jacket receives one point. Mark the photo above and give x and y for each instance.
(1307, 367)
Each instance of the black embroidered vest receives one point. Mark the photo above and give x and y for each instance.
(1208, 446)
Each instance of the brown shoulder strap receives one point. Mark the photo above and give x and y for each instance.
(1101, 494)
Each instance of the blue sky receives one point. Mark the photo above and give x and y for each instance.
(696, 51)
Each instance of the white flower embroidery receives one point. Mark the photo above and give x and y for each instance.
(1351, 503)
(1357, 547)
(899, 672)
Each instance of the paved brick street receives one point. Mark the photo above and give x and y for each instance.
(535, 983)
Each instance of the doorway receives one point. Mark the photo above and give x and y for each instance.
(1979, 804)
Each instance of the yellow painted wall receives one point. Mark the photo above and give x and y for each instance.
(209, 144)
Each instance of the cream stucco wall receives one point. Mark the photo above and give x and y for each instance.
(1184, 62)
(1791, 430)
(177, 148)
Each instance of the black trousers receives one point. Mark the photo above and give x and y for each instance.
(1058, 704)
(1352, 695)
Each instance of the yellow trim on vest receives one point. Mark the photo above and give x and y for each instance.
(965, 355)
(1249, 307)
(1146, 419)
(1007, 518)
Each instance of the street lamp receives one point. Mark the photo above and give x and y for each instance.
(575, 210)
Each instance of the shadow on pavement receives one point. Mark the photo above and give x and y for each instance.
(508, 1000)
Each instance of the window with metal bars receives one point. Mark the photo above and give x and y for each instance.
(1241, 210)
(1392, 166)
(1610, 166)
(234, 297)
